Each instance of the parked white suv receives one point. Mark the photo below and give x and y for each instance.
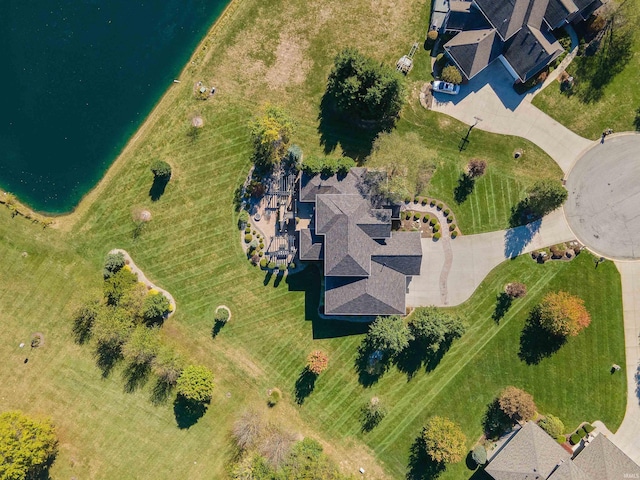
(445, 87)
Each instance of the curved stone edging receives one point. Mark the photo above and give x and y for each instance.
(142, 278)
(224, 307)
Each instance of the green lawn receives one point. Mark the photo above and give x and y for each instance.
(591, 110)
(191, 248)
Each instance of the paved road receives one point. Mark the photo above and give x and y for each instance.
(491, 97)
(603, 208)
(472, 257)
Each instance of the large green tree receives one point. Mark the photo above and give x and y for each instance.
(435, 328)
(27, 446)
(196, 384)
(444, 441)
(545, 196)
(271, 134)
(155, 307)
(363, 88)
(389, 335)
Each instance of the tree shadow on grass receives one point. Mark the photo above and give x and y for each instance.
(217, 327)
(336, 130)
(503, 304)
(420, 354)
(161, 392)
(158, 187)
(370, 364)
(188, 412)
(516, 239)
(107, 356)
(536, 343)
(495, 422)
(464, 188)
(136, 376)
(305, 384)
(278, 279)
(267, 277)
(636, 120)
(421, 466)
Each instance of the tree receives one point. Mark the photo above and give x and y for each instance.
(515, 289)
(83, 319)
(161, 169)
(142, 346)
(372, 414)
(552, 425)
(479, 455)
(248, 429)
(545, 196)
(112, 264)
(476, 167)
(112, 329)
(196, 384)
(517, 404)
(271, 134)
(27, 446)
(389, 334)
(435, 328)
(132, 301)
(363, 88)
(562, 314)
(317, 362)
(451, 74)
(444, 441)
(308, 461)
(156, 306)
(276, 445)
(167, 365)
(118, 284)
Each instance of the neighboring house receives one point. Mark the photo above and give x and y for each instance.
(516, 32)
(366, 265)
(531, 454)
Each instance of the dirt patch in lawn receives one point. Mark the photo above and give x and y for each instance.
(291, 65)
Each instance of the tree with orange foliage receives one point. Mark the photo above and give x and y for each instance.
(317, 362)
(563, 314)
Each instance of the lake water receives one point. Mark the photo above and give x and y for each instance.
(79, 77)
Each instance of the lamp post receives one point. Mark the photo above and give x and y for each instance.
(464, 141)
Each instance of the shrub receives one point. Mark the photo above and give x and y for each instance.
(248, 429)
(317, 362)
(515, 289)
(446, 212)
(476, 167)
(247, 229)
(294, 154)
(436, 236)
(479, 455)
(454, 234)
(452, 227)
(449, 219)
(263, 262)
(561, 439)
(160, 169)
(595, 23)
(196, 384)
(440, 206)
(274, 397)
(444, 441)
(112, 264)
(389, 335)
(425, 218)
(261, 246)
(424, 202)
(243, 219)
(432, 35)
(451, 74)
(433, 221)
(271, 133)
(517, 404)
(372, 414)
(432, 203)
(408, 199)
(416, 216)
(272, 265)
(575, 439)
(292, 266)
(552, 425)
(436, 228)
(155, 307)
(588, 427)
(407, 215)
(248, 237)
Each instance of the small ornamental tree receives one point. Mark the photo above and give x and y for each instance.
(562, 314)
(552, 425)
(167, 365)
(517, 404)
(271, 133)
(112, 264)
(434, 328)
(196, 384)
(451, 74)
(515, 289)
(160, 169)
(476, 167)
(27, 446)
(443, 440)
(142, 346)
(155, 307)
(248, 429)
(479, 455)
(389, 335)
(317, 362)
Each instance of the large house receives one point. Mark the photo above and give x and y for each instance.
(531, 454)
(366, 265)
(515, 32)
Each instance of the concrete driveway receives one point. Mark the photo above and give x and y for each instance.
(604, 197)
(453, 269)
(490, 96)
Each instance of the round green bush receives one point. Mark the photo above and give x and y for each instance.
(449, 219)
(452, 227)
(552, 425)
(160, 169)
(274, 397)
(416, 216)
(263, 262)
(272, 265)
(575, 439)
(436, 236)
(261, 253)
(221, 315)
(248, 237)
(432, 203)
(425, 218)
(433, 221)
(561, 439)
(424, 201)
(407, 199)
(407, 216)
(261, 245)
(588, 427)
(454, 234)
(292, 266)
(479, 455)
(446, 212)
(247, 229)
(436, 228)
(440, 206)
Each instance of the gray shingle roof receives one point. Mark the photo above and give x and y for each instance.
(381, 293)
(310, 186)
(462, 17)
(531, 454)
(569, 471)
(311, 246)
(558, 11)
(507, 16)
(602, 460)
(473, 50)
(530, 51)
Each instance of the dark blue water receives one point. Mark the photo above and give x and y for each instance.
(77, 79)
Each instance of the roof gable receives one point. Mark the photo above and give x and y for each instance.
(507, 16)
(602, 460)
(473, 50)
